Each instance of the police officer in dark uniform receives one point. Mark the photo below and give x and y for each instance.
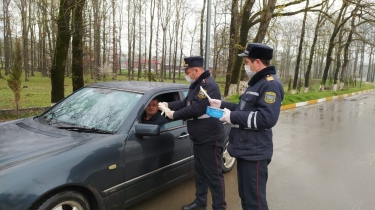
(252, 119)
(206, 133)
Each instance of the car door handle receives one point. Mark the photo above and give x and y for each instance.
(183, 136)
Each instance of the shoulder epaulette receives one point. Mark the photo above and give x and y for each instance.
(269, 78)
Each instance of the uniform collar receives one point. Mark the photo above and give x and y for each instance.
(204, 75)
(262, 74)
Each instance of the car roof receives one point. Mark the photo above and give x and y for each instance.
(139, 86)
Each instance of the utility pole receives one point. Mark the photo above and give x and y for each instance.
(208, 33)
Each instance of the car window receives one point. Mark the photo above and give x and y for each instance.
(185, 93)
(171, 125)
(167, 97)
(98, 108)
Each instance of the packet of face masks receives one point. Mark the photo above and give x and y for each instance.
(214, 112)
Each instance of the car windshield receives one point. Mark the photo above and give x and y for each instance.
(97, 108)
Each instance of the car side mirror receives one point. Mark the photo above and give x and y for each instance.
(147, 130)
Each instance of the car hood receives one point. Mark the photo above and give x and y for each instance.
(24, 140)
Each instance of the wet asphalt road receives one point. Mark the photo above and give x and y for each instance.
(324, 159)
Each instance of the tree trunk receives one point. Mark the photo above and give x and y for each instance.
(7, 36)
(133, 44)
(369, 71)
(77, 46)
(96, 9)
(140, 42)
(265, 20)
(104, 41)
(346, 49)
(152, 10)
(129, 42)
(25, 37)
(233, 39)
(163, 55)
(32, 40)
(312, 51)
(241, 45)
(362, 64)
(338, 24)
(300, 46)
(114, 43)
(61, 52)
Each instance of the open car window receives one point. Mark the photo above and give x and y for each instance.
(168, 97)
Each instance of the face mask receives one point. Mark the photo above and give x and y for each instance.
(189, 79)
(248, 71)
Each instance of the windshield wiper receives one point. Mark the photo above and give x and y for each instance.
(84, 129)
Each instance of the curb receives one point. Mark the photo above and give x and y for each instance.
(315, 101)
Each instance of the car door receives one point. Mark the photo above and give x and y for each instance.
(154, 161)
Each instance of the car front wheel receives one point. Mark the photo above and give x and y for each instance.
(228, 161)
(67, 200)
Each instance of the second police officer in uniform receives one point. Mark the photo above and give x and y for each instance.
(250, 139)
(207, 134)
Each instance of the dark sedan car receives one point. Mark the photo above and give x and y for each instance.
(90, 150)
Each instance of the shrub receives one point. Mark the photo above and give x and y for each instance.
(14, 81)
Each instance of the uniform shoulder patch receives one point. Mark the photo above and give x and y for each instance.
(269, 78)
(270, 97)
(201, 94)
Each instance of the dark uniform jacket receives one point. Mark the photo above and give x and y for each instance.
(253, 117)
(156, 119)
(201, 127)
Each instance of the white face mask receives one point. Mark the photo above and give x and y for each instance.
(189, 79)
(248, 71)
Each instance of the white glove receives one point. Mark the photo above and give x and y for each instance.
(215, 103)
(226, 116)
(169, 114)
(163, 108)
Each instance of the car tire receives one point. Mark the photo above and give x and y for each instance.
(228, 161)
(66, 200)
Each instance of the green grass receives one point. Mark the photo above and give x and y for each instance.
(37, 93)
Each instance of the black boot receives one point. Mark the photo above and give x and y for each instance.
(193, 206)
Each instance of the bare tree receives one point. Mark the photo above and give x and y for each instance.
(7, 36)
(97, 43)
(250, 19)
(114, 43)
(22, 6)
(152, 11)
(340, 21)
(61, 51)
(313, 45)
(233, 40)
(296, 70)
(164, 14)
(346, 49)
(77, 45)
(201, 40)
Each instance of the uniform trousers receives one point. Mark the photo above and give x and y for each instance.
(252, 179)
(208, 174)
